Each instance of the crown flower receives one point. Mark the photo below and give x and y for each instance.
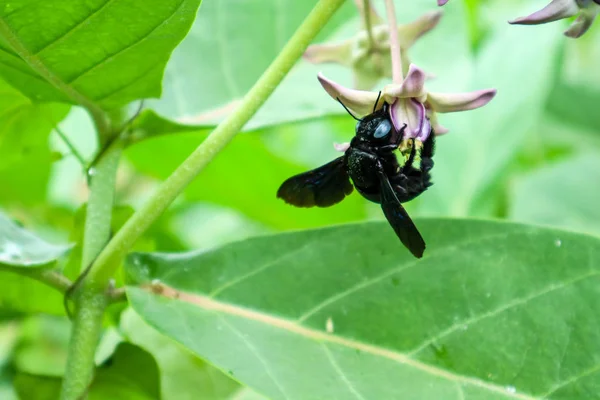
(410, 103)
(559, 9)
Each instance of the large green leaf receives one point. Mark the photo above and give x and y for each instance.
(99, 53)
(564, 195)
(493, 310)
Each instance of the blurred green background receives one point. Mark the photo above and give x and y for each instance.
(532, 155)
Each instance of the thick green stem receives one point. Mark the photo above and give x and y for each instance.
(110, 258)
(85, 335)
(91, 299)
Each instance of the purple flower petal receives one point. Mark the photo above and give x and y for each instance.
(412, 113)
(412, 86)
(557, 9)
(442, 2)
(452, 102)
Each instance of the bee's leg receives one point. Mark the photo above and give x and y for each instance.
(408, 165)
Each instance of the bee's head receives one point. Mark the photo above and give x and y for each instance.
(376, 127)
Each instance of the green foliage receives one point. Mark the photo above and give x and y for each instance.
(57, 59)
(345, 312)
(494, 310)
(130, 374)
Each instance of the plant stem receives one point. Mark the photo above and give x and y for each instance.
(85, 335)
(50, 277)
(91, 299)
(109, 259)
(366, 5)
(397, 76)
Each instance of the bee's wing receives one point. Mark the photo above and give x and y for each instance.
(321, 187)
(398, 218)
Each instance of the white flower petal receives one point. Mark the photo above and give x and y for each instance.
(340, 53)
(409, 33)
(359, 101)
(557, 9)
(452, 102)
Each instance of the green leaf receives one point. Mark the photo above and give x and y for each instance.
(96, 53)
(494, 310)
(230, 45)
(25, 157)
(21, 248)
(561, 195)
(132, 374)
(576, 105)
(246, 177)
(183, 376)
(22, 293)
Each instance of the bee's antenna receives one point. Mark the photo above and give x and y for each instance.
(348, 111)
(376, 101)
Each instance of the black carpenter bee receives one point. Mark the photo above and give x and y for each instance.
(372, 165)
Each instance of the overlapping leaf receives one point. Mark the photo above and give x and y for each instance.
(100, 53)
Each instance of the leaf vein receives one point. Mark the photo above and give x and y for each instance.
(73, 29)
(515, 303)
(341, 373)
(256, 353)
(363, 285)
(209, 304)
(128, 47)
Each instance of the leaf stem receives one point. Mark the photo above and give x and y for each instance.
(109, 259)
(397, 76)
(91, 300)
(50, 277)
(71, 147)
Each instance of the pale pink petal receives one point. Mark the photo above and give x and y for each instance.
(442, 2)
(409, 33)
(583, 22)
(452, 102)
(359, 101)
(557, 9)
(340, 53)
(438, 129)
(412, 86)
(341, 146)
